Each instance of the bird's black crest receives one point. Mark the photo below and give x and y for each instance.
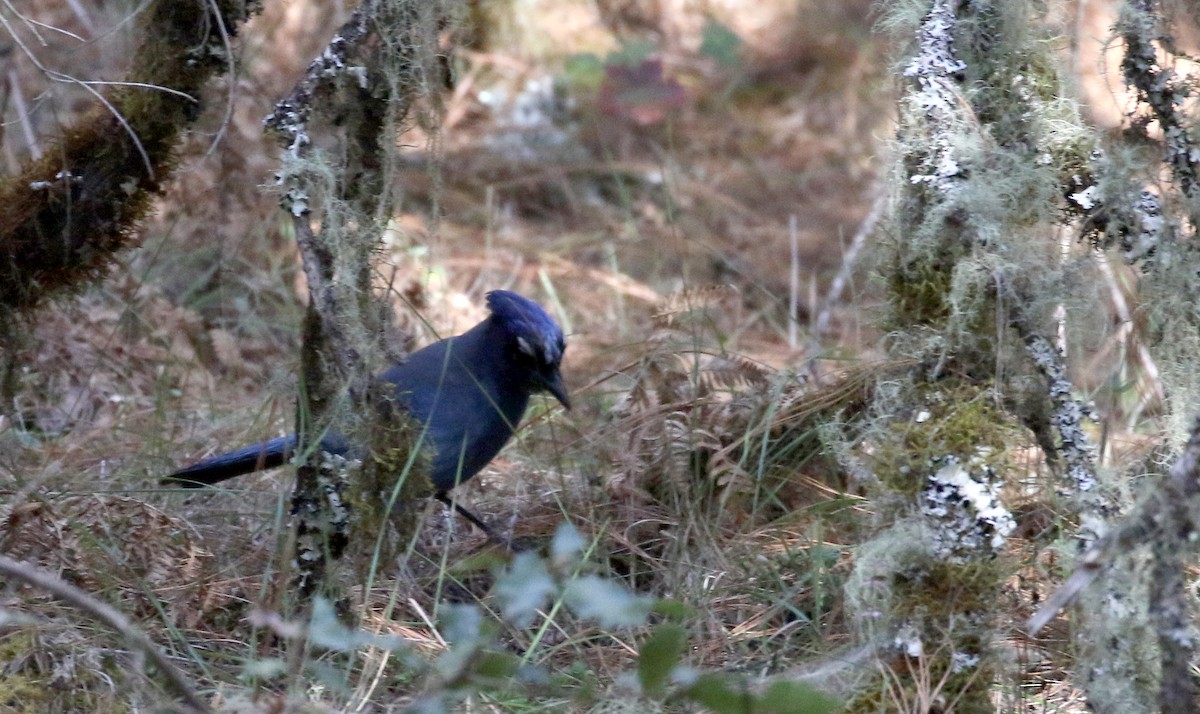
(537, 334)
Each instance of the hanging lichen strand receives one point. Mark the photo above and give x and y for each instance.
(973, 277)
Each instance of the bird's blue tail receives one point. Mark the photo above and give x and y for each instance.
(257, 457)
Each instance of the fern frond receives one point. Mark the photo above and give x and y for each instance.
(692, 300)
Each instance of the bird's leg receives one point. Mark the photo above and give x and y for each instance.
(474, 519)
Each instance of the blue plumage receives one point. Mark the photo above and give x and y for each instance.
(468, 392)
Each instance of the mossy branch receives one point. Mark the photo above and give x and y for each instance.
(1159, 88)
(360, 88)
(1168, 519)
(68, 213)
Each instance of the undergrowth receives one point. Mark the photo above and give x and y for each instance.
(687, 536)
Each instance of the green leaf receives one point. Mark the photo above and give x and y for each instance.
(523, 588)
(497, 665)
(722, 694)
(721, 44)
(631, 53)
(482, 562)
(256, 670)
(787, 697)
(585, 70)
(27, 439)
(658, 657)
(463, 627)
(673, 610)
(607, 602)
(462, 624)
(531, 675)
(328, 675)
(566, 547)
(324, 629)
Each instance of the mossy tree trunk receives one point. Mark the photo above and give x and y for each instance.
(359, 92)
(985, 149)
(67, 215)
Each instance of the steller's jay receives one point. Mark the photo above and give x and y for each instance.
(467, 394)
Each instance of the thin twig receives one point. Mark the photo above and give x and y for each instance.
(848, 260)
(108, 615)
(793, 283)
(1153, 521)
(22, 110)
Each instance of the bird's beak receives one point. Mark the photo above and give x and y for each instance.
(554, 385)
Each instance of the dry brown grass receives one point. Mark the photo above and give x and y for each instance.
(662, 466)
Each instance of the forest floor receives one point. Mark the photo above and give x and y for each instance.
(696, 199)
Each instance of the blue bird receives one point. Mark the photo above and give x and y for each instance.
(467, 393)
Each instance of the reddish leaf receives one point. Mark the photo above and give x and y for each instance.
(640, 92)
